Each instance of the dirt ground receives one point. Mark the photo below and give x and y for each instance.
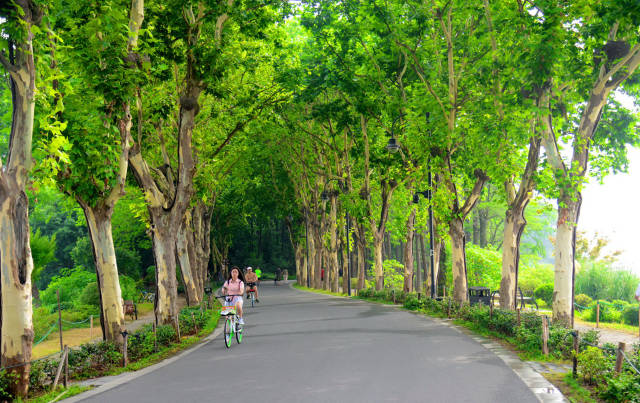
(610, 335)
(76, 337)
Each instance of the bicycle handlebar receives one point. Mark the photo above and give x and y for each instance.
(230, 295)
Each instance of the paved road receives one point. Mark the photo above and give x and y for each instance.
(304, 347)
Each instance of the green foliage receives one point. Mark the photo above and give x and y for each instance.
(128, 288)
(92, 359)
(599, 281)
(43, 249)
(7, 379)
(41, 375)
(484, 267)
(545, 292)
(190, 318)
(593, 365)
(70, 283)
(90, 294)
(532, 277)
(623, 387)
(166, 335)
(630, 315)
(608, 312)
(583, 300)
(141, 343)
(393, 274)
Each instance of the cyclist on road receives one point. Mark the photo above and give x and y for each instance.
(235, 286)
(252, 282)
(258, 274)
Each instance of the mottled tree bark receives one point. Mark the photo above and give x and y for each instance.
(514, 226)
(16, 262)
(408, 252)
(99, 223)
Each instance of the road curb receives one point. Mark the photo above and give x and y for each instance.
(544, 390)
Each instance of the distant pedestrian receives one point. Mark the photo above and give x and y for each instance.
(638, 293)
(277, 277)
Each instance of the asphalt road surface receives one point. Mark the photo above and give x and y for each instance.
(305, 347)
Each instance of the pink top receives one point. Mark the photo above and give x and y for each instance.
(234, 287)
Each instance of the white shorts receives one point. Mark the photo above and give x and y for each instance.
(235, 301)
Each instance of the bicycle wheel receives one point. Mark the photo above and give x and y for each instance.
(253, 297)
(228, 332)
(239, 333)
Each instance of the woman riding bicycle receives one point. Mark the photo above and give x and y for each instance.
(234, 286)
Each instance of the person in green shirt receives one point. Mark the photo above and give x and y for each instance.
(258, 274)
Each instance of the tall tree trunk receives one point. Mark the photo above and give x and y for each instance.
(564, 267)
(99, 223)
(311, 264)
(423, 265)
(346, 262)
(164, 250)
(513, 227)
(302, 280)
(361, 247)
(317, 263)
(378, 241)
(458, 261)
(16, 262)
(299, 257)
(408, 252)
(483, 219)
(333, 247)
(188, 276)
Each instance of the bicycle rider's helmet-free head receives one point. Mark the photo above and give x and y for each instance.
(249, 268)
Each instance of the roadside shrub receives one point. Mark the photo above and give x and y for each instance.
(590, 337)
(166, 335)
(6, 380)
(504, 322)
(560, 341)
(393, 277)
(366, 293)
(190, 317)
(619, 304)
(593, 365)
(630, 315)
(93, 358)
(622, 388)
(545, 292)
(583, 300)
(528, 339)
(413, 303)
(608, 313)
(140, 344)
(42, 373)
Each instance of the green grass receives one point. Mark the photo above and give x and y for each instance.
(571, 388)
(72, 390)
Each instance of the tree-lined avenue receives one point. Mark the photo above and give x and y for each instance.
(300, 346)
